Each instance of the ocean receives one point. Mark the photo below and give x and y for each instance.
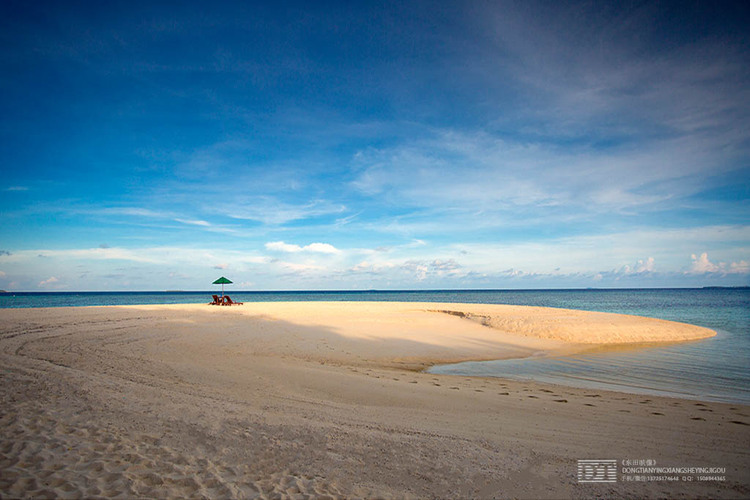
(716, 369)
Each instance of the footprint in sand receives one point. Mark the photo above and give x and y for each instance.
(738, 422)
(698, 418)
(504, 393)
(588, 404)
(657, 413)
(561, 400)
(535, 397)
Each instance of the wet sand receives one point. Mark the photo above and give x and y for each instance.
(328, 400)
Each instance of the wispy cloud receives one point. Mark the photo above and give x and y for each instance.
(269, 210)
(194, 222)
(478, 172)
(608, 67)
(98, 253)
(421, 270)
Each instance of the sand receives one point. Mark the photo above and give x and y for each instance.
(327, 400)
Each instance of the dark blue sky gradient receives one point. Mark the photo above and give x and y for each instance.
(508, 139)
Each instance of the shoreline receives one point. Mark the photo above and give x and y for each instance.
(175, 401)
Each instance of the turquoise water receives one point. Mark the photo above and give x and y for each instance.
(716, 369)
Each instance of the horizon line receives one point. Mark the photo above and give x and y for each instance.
(379, 290)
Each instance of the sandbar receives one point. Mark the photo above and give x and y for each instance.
(329, 400)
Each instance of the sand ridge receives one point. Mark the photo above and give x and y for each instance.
(306, 401)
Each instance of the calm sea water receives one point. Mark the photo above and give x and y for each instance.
(713, 369)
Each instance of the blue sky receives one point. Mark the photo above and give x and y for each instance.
(359, 145)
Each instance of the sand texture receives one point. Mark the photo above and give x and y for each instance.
(326, 400)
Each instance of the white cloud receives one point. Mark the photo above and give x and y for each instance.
(641, 266)
(702, 265)
(50, 281)
(362, 266)
(645, 266)
(572, 261)
(280, 246)
(321, 248)
(17, 188)
(594, 253)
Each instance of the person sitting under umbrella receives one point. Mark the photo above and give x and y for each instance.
(224, 301)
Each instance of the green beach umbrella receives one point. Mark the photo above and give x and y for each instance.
(222, 281)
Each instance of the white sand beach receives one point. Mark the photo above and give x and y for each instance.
(328, 400)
